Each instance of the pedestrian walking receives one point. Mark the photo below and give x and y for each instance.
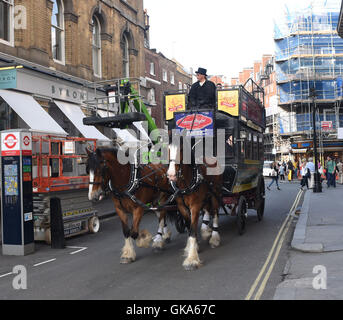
(282, 173)
(275, 176)
(305, 174)
(311, 168)
(331, 172)
(290, 170)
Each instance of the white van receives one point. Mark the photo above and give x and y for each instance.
(267, 168)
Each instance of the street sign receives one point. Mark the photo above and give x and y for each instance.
(327, 125)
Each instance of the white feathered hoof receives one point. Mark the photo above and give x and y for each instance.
(215, 240)
(158, 243)
(206, 233)
(126, 260)
(144, 239)
(192, 262)
(191, 265)
(128, 252)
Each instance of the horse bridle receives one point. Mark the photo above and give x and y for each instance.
(104, 186)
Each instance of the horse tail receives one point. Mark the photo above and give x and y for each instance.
(172, 215)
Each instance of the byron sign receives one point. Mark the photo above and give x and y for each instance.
(8, 78)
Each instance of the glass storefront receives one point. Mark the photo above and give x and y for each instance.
(9, 119)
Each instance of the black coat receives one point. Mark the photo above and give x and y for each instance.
(202, 96)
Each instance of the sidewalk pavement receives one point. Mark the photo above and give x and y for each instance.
(316, 258)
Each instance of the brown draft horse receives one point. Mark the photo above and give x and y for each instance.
(105, 170)
(204, 197)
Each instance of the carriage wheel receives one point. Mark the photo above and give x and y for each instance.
(241, 215)
(261, 196)
(94, 224)
(180, 223)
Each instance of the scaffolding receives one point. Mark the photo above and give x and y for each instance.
(309, 54)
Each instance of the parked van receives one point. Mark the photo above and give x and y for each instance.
(267, 168)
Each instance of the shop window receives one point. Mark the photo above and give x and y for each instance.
(9, 119)
(57, 31)
(7, 22)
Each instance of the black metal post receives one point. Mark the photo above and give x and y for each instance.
(317, 187)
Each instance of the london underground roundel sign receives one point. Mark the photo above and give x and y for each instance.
(26, 141)
(10, 141)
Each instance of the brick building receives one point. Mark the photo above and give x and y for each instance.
(161, 75)
(63, 46)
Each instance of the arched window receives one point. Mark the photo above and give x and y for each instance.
(126, 58)
(57, 31)
(96, 46)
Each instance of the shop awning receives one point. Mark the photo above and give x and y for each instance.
(74, 113)
(31, 112)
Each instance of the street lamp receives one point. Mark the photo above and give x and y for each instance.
(317, 187)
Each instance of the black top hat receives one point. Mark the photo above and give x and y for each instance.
(202, 71)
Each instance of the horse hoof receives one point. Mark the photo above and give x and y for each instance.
(167, 240)
(191, 267)
(126, 260)
(157, 250)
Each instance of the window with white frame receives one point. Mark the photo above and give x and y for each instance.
(164, 75)
(96, 46)
(57, 31)
(7, 21)
(172, 78)
(126, 58)
(152, 96)
(152, 68)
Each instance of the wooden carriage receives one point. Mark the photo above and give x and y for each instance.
(241, 115)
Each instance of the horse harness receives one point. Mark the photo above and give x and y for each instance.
(134, 184)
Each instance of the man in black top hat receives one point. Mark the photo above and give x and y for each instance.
(202, 93)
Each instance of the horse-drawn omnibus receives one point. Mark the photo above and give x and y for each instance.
(241, 115)
(235, 182)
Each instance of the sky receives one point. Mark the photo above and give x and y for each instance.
(222, 36)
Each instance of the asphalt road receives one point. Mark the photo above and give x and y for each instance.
(89, 267)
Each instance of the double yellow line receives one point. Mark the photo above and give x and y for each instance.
(274, 252)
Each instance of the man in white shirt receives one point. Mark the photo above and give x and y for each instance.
(311, 167)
